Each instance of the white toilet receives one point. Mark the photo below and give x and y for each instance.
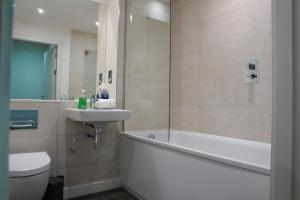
(29, 175)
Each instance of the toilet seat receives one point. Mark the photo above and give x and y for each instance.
(28, 164)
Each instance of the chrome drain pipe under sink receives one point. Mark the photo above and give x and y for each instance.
(96, 135)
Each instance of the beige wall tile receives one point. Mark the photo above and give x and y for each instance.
(67, 126)
(185, 117)
(147, 73)
(83, 174)
(251, 123)
(47, 118)
(148, 119)
(212, 42)
(37, 144)
(217, 8)
(85, 149)
(85, 152)
(116, 127)
(261, 21)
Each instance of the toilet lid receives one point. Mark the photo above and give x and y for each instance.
(28, 164)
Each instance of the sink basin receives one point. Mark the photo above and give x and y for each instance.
(94, 116)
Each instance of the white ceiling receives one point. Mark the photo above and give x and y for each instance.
(72, 14)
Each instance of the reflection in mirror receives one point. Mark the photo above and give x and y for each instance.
(33, 71)
(90, 64)
(83, 63)
(56, 48)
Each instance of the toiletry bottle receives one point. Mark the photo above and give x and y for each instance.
(82, 101)
(103, 92)
(99, 92)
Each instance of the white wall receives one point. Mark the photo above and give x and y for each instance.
(45, 34)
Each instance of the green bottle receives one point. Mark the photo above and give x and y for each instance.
(82, 101)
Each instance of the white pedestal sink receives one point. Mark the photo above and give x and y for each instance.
(96, 118)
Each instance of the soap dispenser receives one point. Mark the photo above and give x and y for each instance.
(82, 101)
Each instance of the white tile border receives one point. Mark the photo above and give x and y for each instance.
(91, 188)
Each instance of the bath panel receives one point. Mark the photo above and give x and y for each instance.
(218, 168)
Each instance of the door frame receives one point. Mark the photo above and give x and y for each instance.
(6, 8)
(282, 115)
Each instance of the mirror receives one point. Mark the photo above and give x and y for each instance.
(59, 48)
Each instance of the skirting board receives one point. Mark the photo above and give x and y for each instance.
(91, 188)
(139, 197)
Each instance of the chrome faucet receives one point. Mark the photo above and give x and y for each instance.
(93, 102)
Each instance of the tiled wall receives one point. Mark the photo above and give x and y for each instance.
(212, 40)
(42, 139)
(147, 73)
(55, 135)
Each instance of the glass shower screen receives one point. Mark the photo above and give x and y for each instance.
(147, 72)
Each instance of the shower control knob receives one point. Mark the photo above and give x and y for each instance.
(253, 76)
(251, 71)
(252, 66)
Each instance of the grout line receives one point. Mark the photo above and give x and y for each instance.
(57, 142)
(170, 70)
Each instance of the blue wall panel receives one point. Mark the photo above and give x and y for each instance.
(27, 70)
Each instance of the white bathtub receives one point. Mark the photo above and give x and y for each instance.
(194, 166)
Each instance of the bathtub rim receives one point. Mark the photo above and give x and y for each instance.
(213, 157)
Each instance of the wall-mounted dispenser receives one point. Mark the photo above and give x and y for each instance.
(251, 71)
